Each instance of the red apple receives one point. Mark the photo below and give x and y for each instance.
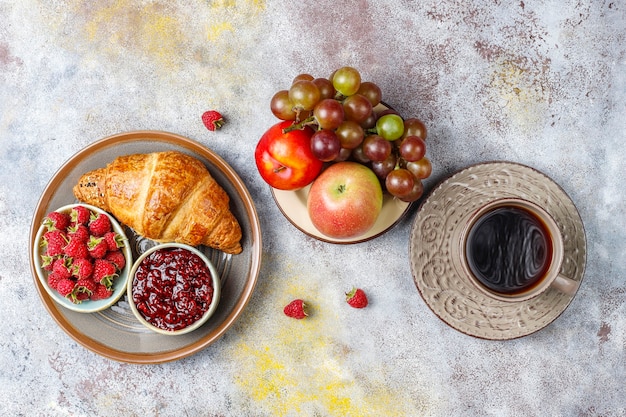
(285, 160)
(345, 200)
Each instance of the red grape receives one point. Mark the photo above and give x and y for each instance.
(350, 134)
(376, 148)
(326, 88)
(383, 168)
(328, 113)
(325, 145)
(414, 127)
(371, 91)
(416, 192)
(420, 169)
(281, 106)
(412, 148)
(357, 108)
(400, 182)
(304, 94)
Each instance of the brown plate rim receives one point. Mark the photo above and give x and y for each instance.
(244, 194)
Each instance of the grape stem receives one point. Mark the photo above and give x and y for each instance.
(309, 121)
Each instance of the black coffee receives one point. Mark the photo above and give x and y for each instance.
(508, 250)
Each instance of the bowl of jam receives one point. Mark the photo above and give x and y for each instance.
(173, 288)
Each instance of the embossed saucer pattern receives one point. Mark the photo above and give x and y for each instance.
(447, 291)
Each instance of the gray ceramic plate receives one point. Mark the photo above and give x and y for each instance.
(115, 333)
(447, 291)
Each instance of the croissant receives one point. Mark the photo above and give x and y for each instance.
(166, 197)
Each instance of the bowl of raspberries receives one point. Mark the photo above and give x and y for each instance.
(82, 258)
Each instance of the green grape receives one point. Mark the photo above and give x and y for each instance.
(347, 80)
(371, 91)
(328, 113)
(281, 106)
(304, 94)
(390, 126)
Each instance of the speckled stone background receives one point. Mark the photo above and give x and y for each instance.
(540, 83)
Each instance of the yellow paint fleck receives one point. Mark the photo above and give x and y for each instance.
(518, 92)
(215, 31)
(305, 367)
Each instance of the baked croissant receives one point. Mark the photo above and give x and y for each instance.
(166, 197)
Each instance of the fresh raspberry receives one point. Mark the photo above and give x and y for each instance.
(296, 309)
(114, 240)
(212, 119)
(80, 215)
(82, 268)
(47, 262)
(104, 272)
(80, 296)
(117, 257)
(55, 241)
(99, 225)
(357, 298)
(57, 221)
(78, 231)
(101, 292)
(53, 280)
(61, 268)
(85, 286)
(98, 247)
(65, 287)
(76, 249)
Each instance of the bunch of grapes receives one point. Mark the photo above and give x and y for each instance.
(341, 110)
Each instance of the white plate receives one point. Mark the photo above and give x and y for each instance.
(293, 206)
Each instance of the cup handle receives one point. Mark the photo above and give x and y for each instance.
(565, 285)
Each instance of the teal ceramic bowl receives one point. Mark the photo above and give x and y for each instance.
(86, 306)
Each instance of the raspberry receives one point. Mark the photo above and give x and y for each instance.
(98, 247)
(114, 240)
(57, 221)
(82, 268)
(55, 241)
(104, 272)
(53, 280)
(65, 287)
(80, 215)
(86, 286)
(60, 267)
(76, 249)
(118, 259)
(101, 292)
(212, 119)
(296, 309)
(357, 298)
(100, 224)
(79, 232)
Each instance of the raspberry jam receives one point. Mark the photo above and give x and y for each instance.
(172, 288)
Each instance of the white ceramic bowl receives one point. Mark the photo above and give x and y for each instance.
(207, 314)
(87, 306)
